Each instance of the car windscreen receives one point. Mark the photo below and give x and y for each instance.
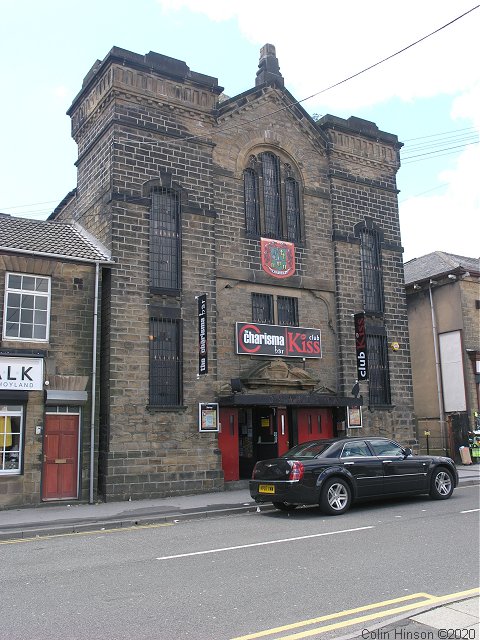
(307, 450)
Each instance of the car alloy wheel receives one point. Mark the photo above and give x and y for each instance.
(336, 497)
(442, 484)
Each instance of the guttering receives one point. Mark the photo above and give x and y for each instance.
(93, 385)
(57, 256)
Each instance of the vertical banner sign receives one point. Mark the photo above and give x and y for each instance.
(202, 335)
(361, 346)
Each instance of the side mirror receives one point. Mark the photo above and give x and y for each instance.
(407, 452)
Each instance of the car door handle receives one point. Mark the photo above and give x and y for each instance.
(387, 461)
(345, 463)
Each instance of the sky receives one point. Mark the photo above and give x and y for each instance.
(428, 95)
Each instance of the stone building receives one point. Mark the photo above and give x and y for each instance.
(48, 288)
(246, 236)
(443, 302)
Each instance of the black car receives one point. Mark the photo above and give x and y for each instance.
(333, 473)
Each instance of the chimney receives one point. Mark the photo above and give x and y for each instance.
(268, 67)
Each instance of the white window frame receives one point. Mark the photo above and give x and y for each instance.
(36, 294)
(15, 411)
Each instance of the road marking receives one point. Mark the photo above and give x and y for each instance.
(470, 511)
(423, 599)
(96, 532)
(261, 544)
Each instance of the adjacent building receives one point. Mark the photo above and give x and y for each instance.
(49, 286)
(443, 303)
(257, 273)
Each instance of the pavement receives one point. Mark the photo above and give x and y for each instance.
(53, 519)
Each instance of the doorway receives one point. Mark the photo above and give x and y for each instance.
(60, 456)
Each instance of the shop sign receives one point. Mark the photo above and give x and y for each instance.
(275, 340)
(278, 258)
(202, 335)
(361, 346)
(208, 416)
(21, 374)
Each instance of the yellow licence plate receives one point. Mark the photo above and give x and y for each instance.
(266, 488)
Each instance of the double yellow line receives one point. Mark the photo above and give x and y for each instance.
(421, 600)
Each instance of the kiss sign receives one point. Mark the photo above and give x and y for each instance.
(275, 340)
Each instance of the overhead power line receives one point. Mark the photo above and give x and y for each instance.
(298, 102)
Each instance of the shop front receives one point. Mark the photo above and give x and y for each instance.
(258, 427)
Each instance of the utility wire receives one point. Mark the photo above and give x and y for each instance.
(317, 93)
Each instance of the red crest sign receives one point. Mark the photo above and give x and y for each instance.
(278, 258)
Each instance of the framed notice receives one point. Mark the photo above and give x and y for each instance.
(208, 416)
(354, 417)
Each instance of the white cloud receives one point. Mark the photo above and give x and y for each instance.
(320, 43)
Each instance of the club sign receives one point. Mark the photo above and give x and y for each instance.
(275, 340)
(361, 346)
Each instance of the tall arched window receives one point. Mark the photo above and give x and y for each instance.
(292, 206)
(371, 270)
(165, 242)
(272, 199)
(250, 182)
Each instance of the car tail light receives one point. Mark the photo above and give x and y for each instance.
(296, 472)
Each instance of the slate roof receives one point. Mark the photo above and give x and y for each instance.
(52, 239)
(438, 263)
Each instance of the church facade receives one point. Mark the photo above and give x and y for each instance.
(257, 273)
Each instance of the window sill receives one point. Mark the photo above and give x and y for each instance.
(164, 409)
(381, 407)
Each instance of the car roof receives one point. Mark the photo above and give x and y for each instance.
(347, 439)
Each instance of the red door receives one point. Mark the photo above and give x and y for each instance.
(282, 432)
(60, 457)
(314, 424)
(228, 443)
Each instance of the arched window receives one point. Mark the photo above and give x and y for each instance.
(272, 199)
(165, 241)
(271, 195)
(292, 206)
(250, 182)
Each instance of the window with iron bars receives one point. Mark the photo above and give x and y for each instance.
(378, 370)
(371, 271)
(263, 309)
(165, 362)
(165, 241)
(272, 199)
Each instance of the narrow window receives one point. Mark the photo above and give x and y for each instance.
(371, 271)
(27, 308)
(11, 435)
(250, 185)
(165, 240)
(165, 363)
(287, 309)
(378, 371)
(271, 195)
(292, 207)
(262, 308)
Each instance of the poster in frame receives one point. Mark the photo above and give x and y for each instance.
(208, 417)
(354, 417)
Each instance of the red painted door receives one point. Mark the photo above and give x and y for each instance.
(228, 443)
(314, 424)
(282, 432)
(60, 457)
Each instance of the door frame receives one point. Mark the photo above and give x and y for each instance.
(71, 410)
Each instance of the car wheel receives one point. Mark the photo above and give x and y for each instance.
(336, 497)
(285, 506)
(441, 486)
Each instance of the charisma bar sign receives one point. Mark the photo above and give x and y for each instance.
(274, 340)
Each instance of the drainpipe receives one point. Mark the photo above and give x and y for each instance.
(94, 385)
(437, 366)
